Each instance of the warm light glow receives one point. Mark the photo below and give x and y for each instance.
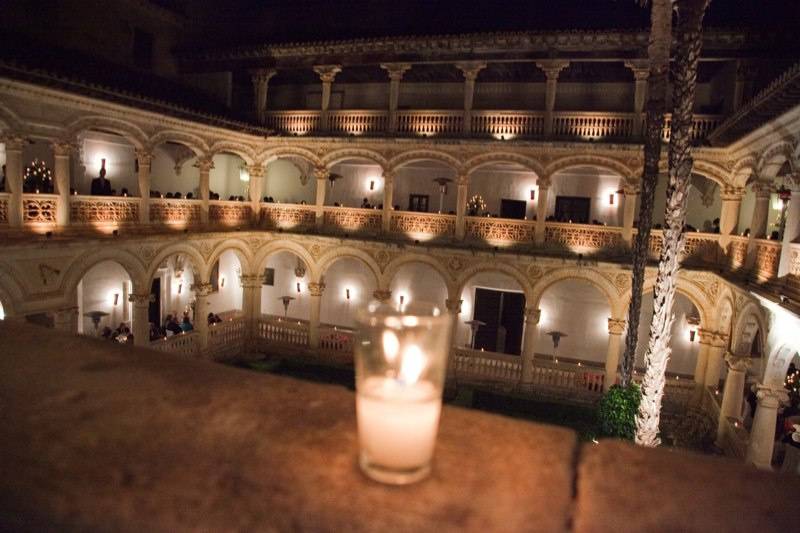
(412, 365)
(391, 346)
(113, 298)
(244, 175)
(347, 294)
(372, 185)
(611, 198)
(298, 287)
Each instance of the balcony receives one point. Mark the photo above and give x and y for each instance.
(505, 125)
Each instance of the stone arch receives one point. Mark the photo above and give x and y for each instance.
(9, 120)
(199, 264)
(242, 150)
(740, 335)
(773, 158)
(338, 156)
(191, 141)
(778, 363)
(272, 154)
(392, 268)
(606, 287)
(131, 132)
(419, 155)
(336, 254)
(583, 160)
(240, 248)
(479, 161)
(686, 288)
(494, 267)
(127, 260)
(713, 172)
(275, 247)
(742, 170)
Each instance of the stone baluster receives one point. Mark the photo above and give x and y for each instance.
(205, 164)
(61, 172)
(631, 194)
(453, 306)
(14, 178)
(257, 175)
(321, 173)
(144, 159)
(791, 229)
(716, 351)
(532, 317)
(732, 394)
(641, 71)
(762, 433)
(729, 216)
(552, 68)
(140, 323)
(396, 72)
(201, 293)
(461, 206)
(315, 289)
(260, 78)
(66, 319)
(705, 338)
(470, 70)
(616, 327)
(251, 305)
(541, 210)
(388, 200)
(326, 74)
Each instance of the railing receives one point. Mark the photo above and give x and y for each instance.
(353, 220)
(4, 207)
(288, 216)
(174, 211)
(702, 125)
(737, 253)
(116, 210)
(490, 366)
(570, 375)
(421, 225)
(582, 237)
(283, 332)
(182, 344)
(293, 122)
(500, 229)
(430, 123)
(39, 208)
(507, 124)
(335, 340)
(357, 122)
(794, 259)
(227, 338)
(592, 125)
(768, 254)
(228, 213)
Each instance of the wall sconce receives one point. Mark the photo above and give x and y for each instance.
(298, 287)
(372, 185)
(347, 294)
(533, 194)
(180, 288)
(611, 198)
(402, 299)
(222, 281)
(694, 323)
(116, 298)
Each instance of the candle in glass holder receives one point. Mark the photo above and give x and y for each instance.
(400, 368)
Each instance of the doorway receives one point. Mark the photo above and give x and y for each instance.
(418, 203)
(573, 209)
(154, 308)
(503, 312)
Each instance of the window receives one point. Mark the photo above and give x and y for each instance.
(142, 48)
(418, 202)
(503, 313)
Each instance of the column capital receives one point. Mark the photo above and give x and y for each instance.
(616, 326)
(250, 281)
(255, 171)
(631, 189)
(327, 73)
(204, 164)
(737, 363)
(201, 290)
(732, 194)
(382, 295)
(716, 339)
(552, 67)
(63, 148)
(453, 305)
(532, 315)
(543, 182)
(762, 189)
(141, 299)
(388, 176)
(13, 142)
(396, 70)
(144, 157)
(640, 68)
(321, 173)
(462, 179)
(771, 397)
(470, 69)
(316, 288)
(262, 75)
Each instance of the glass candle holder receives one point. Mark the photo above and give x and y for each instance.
(401, 362)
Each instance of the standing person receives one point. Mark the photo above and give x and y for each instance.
(100, 185)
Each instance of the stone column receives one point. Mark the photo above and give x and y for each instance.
(326, 74)
(729, 216)
(705, 340)
(315, 290)
(144, 160)
(733, 393)
(552, 68)
(791, 230)
(257, 174)
(758, 224)
(205, 164)
(762, 434)
(396, 72)
(321, 173)
(532, 317)
(461, 206)
(261, 79)
(66, 320)
(641, 71)
(470, 70)
(14, 170)
(388, 199)
(140, 321)
(631, 195)
(616, 326)
(715, 356)
(251, 304)
(201, 292)
(454, 309)
(541, 210)
(61, 172)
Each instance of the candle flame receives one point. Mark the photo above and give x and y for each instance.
(412, 365)
(391, 346)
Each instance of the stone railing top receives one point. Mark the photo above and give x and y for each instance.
(90, 197)
(171, 434)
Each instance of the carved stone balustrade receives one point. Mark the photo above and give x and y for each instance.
(103, 210)
(288, 216)
(353, 220)
(228, 213)
(4, 208)
(39, 209)
(174, 212)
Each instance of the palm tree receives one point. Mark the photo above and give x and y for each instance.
(689, 38)
(658, 53)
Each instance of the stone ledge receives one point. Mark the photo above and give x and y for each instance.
(104, 437)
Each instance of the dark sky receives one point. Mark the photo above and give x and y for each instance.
(252, 21)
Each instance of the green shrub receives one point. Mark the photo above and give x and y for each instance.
(616, 414)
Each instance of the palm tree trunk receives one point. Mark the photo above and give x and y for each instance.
(689, 42)
(658, 53)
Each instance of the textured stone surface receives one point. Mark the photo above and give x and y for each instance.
(97, 436)
(627, 488)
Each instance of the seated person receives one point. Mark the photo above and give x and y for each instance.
(100, 185)
(210, 319)
(189, 196)
(186, 324)
(124, 191)
(365, 204)
(177, 195)
(168, 195)
(155, 332)
(172, 326)
(231, 198)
